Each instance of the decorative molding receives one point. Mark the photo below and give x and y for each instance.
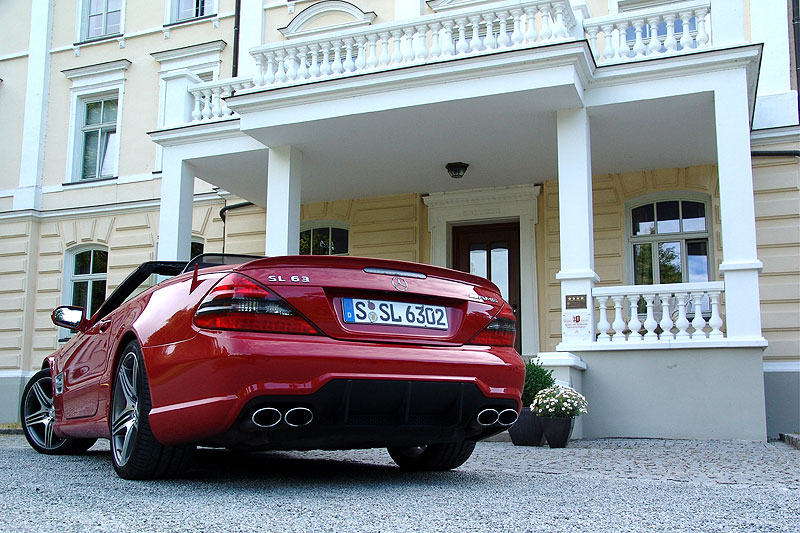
(111, 67)
(439, 6)
(781, 366)
(561, 359)
(296, 27)
(187, 52)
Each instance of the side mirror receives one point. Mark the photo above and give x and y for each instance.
(70, 317)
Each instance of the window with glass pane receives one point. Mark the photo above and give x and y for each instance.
(99, 139)
(88, 279)
(102, 17)
(324, 240)
(670, 242)
(196, 249)
(189, 9)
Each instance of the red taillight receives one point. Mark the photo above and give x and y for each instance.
(239, 303)
(501, 331)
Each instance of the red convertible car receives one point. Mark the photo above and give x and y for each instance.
(282, 353)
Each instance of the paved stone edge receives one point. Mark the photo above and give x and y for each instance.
(791, 439)
(10, 431)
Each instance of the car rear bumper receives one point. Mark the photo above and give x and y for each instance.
(204, 389)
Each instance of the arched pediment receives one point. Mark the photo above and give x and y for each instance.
(341, 14)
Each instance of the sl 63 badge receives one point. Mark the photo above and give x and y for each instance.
(277, 278)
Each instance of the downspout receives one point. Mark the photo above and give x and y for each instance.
(796, 33)
(775, 153)
(222, 214)
(236, 17)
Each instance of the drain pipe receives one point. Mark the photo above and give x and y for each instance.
(775, 153)
(796, 33)
(236, 18)
(223, 214)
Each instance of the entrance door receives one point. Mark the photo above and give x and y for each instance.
(492, 251)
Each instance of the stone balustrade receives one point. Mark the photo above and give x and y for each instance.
(481, 29)
(659, 313)
(655, 31)
(209, 98)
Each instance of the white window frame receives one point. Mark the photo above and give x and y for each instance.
(69, 278)
(92, 83)
(82, 23)
(681, 236)
(320, 224)
(171, 12)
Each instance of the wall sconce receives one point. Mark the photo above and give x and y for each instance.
(456, 170)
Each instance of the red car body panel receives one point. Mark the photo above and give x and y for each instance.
(201, 380)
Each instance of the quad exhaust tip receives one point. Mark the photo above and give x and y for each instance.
(490, 417)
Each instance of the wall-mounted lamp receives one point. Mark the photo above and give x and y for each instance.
(456, 170)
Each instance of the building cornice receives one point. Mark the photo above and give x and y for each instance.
(783, 135)
(189, 51)
(94, 70)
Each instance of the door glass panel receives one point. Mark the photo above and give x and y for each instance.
(499, 274)
(643, 264)
(320, 244)
(669, 262)
(668, 217)
(477, 260)
(644, 220)
(697, 257)
(338, 241)
(694, 216)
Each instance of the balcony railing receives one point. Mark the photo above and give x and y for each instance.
(667, 309)
(481, 29)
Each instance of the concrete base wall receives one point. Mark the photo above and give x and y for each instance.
(782, 394)
(11, 385)
(712, 393)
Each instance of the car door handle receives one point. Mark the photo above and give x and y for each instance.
(103, 325)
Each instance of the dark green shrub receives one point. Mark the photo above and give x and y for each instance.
(536, 379)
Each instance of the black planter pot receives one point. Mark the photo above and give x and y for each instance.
(527, 431)
(557, 430)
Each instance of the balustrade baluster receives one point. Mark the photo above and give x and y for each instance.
(670, 44)
(372, 61)
(634, 325)
(385, 57)
(325, 68)
(361, 60)
(462, 47)
(226, 92)
(448, 47)
(407, 44)
(313, 70)
(517, 36)
(207, 114)
(475, 44)
(603, 325)
(682, 323)
(436, 48)
(698, 322)
(650, 323)
(280, 74)
(593, 42)
(609, 50)
(623, 51)
(503, 40)
(291, 64)
(197, 114)
(489, 42)
(716, 320)
(348, 65)
(258, 77)
(530, 35)
(397, 52)
(559, 29)
(666, 320)
(547, 31)
(619, 319)
(269, 76)
(654, 45)
(421, 47)
(638, 46)
(302, 70)
(337, 67)
(686, 38)
(700, 21)
(216, 107)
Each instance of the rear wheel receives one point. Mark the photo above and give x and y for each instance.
(135, 452)
(432, 456)
(38, 417)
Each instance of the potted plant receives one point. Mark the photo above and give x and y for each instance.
(527, 431)
(556, 407)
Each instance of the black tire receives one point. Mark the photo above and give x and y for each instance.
(433, 456)
(135, 452)
(38, 418)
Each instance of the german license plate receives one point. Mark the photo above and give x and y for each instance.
(384, 313)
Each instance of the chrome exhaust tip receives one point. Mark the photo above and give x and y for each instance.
(507, 417)
(266, 417)
(298, 417)
(488, 417)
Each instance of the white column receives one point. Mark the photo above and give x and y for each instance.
(29, 193)
(727, 22)
(407, 9)
(740, 265)
(178, 101)
(283, 201)
(175, 217)
(251, 33)
(576, 229)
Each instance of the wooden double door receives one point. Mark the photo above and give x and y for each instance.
(492, 251)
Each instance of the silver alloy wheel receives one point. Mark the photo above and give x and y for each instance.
(40, 414)
(125, 409)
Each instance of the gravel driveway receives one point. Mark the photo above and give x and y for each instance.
(593, 485)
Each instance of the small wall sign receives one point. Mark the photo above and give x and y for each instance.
(576, 301)
(576, 325)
